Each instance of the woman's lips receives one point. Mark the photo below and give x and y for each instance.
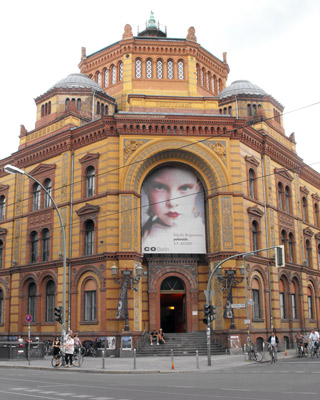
(172, 214)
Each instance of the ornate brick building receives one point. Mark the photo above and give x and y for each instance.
(159, 170)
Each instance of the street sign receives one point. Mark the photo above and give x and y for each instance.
(250, 302)
(247, 321)
(238, 306)
(28, 318)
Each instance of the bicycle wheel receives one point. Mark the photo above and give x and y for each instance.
(272, 357)
(258, 356)
(82, 351)
(76, 360)
(57, 361)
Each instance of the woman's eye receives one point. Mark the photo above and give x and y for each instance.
(159, 186)
(184, 188)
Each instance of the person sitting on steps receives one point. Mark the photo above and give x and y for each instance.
(161, 336)
(154, 335)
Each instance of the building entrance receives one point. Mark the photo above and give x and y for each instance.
(173, 305)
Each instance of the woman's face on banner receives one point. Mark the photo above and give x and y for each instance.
(172, 194)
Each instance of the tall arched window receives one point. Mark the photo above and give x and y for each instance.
(149, 69)
(45, 245)
(90, 301)
(50, 301)
(282, 300)
(304, 209)
(47, 199)
(106, 77)
(67, 103)
(89, 238)
(32, 301)
(180, 70)
(284, 241)
(90, 181)
(159, 69)
(318, 256)
(34, 247)
(36, 197)
(293, 301)
(214, 83)
(291, 248)
(287, 197)
(113, 74)
(316, 214)
(1, 307)
(78, 104)
(254, 230)
(202, 77)
(280, 195)
(138, 68)
(310, 303)
(308, 253)
(251, 183)
(99, 78)
(2, 208)
(170, 69)
(121, 71)
(256, 310)
(1, 253)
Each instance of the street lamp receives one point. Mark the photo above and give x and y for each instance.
(122, 310)
(11, 169)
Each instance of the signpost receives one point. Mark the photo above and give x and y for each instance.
(238, 306)
(29, 320)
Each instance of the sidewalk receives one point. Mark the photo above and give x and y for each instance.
(144, 365)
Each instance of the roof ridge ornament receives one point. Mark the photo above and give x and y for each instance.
(152, 22)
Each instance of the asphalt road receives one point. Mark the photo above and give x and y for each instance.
(294, 379)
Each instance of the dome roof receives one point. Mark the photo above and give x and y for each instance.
(241, 87)
(77, 81)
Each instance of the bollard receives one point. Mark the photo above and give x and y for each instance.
(134, 359)
(197, 359)
(172, 363)
(245, 352)
(102, 359)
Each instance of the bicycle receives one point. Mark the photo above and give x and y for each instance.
(314, 349)
(59, 360)
(301, 350)
(272, 351)
(254, 355)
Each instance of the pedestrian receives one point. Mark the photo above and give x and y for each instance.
(56, 346)
(77, 342)
(69, 350)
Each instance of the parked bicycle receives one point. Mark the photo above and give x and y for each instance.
(59, 360)
(254, 355)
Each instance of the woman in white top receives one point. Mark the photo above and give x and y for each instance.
(69, 349)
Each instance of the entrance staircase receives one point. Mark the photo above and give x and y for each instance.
(182, 344)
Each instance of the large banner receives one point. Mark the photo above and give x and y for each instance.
(172, 212)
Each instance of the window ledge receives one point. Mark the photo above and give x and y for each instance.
(257, 319)
(89, 322)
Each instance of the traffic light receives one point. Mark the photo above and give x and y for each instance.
(213, 313)
(206, 309)
(279, 255)
(58, 314)
(209, 313)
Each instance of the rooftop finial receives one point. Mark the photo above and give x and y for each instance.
(152, 22)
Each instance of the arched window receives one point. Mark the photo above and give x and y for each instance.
(45, 245)
(256, 310)
(1, 253)
(249, 110)
(1, 307)
(89, 238)
(49, 107)
(319, 256)
(34, 247)
(36, 197)
(291, 248)
(98, 107)
(282, 300)
(32, 301)
(47, 199)
(106, 110)
(214, 83)
(99, 78)
(252, 183)
(121, 71)
(113, 74)
(293, 301)
(287, 197)
(2, 208)
(304, 209)
(316, 214)
(78, 104)
(90, 181)
(284, 240)
(50, 301)
(159, 69)
(254, 231)
(138, 68)
(202, 77)
(67, 103)
(149, 69)
(42, 111)
(90, 301)
(310, 303)
(170, 69)
(106, 77)
(180, 70)
(308, 253)
(280, 195)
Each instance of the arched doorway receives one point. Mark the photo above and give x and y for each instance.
(173, 305)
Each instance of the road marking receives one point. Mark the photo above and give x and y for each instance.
(237, 390)
(300, 393)
(32, 390)
(29, 395)
(65, 394)
(82, 396)
(104, 398)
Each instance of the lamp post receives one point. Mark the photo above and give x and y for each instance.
(122, 311)
(11, 169)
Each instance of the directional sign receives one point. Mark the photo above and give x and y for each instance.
(28, 318)
(238, 306)
(247, 321)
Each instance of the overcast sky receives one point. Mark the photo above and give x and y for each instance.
(272, 43)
